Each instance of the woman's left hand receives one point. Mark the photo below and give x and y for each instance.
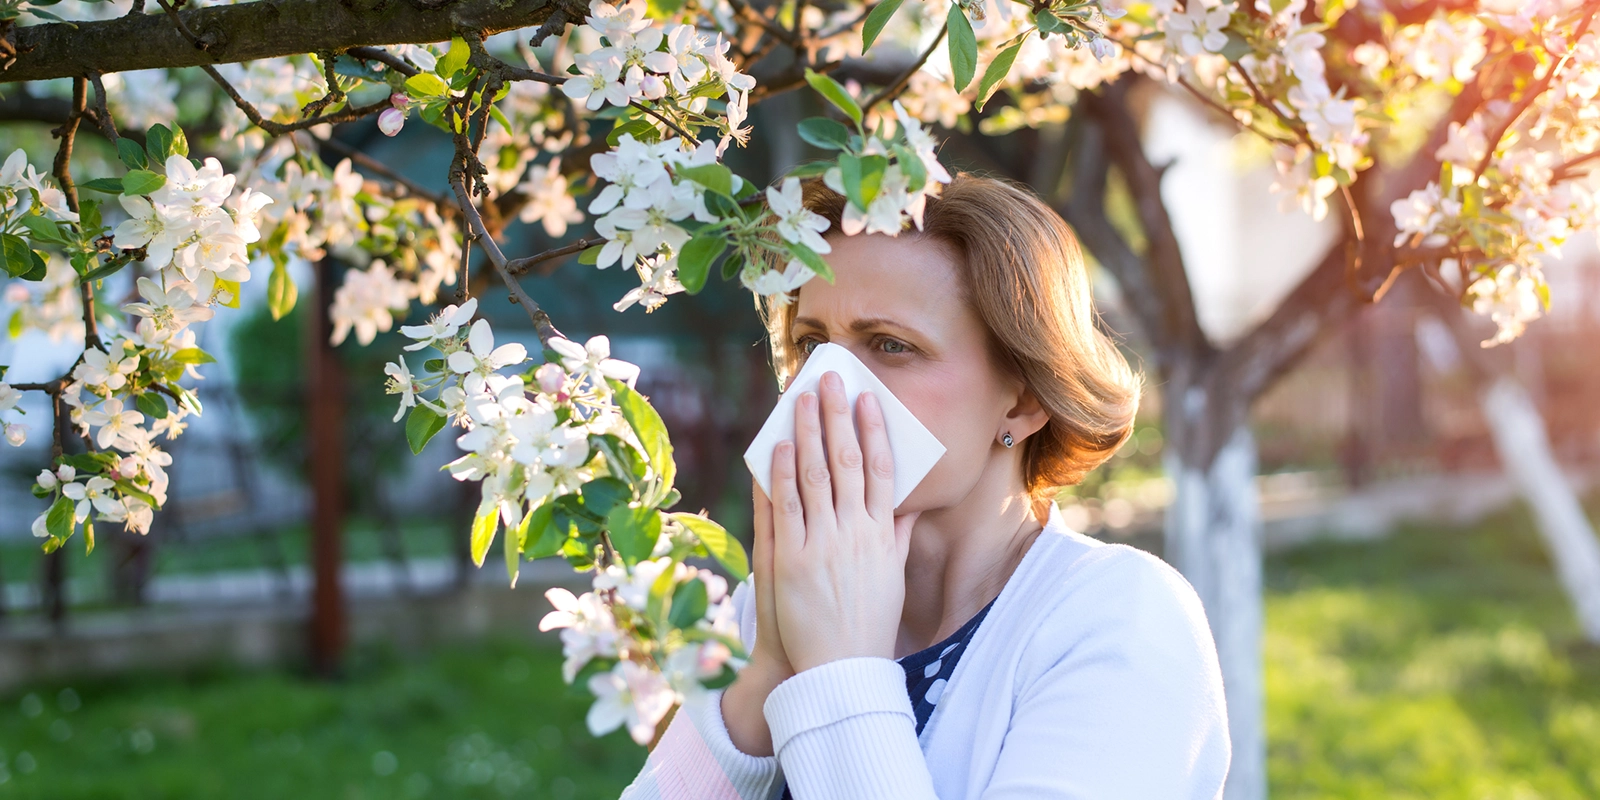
(839, 552)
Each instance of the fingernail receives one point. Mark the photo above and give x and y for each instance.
(868, 400)
(808, 400)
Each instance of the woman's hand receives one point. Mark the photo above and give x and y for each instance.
(839, 553)
(769, 665)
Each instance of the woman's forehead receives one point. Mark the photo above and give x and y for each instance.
(877, 277)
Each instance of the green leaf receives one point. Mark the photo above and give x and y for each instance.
(424, 85)
(484, 527)
(105, 270)
(863, 177)
(732, 265)
(694, 261)
(43, 230)
(89, 219)
(876, 19)
(151, 404)
(963, 46)
(911, 164)
(634, 532)
(158, 143)
(59, 521)
(1049, 23)
(824, 133)
(15, 255)
(997, 70)
(453, 60)
(14, 325)
(542, 537)
(180, 144)
(40, 268)
(647, 425)
(810, 258)
(591, 256)
(142, 182)
(421, 426)
(193, 355)
(603, 494)
(809, 170)
(88, 538)
(714, 177)
(131, 153)
(500, 117)
(689, 604)
(835, 93)
(515, 537)
(281, 292)
(723, 547)
(656, 606)
(107, 185)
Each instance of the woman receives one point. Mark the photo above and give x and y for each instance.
(1033, 662)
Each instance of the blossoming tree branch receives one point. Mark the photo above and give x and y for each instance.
(612, 120)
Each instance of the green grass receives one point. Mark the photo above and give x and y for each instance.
(490, 721)
(1436, 664)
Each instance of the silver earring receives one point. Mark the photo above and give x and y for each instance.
(1006, 439)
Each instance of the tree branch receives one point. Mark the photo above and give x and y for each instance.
(250, 31)
(541, 320)
(522, 265)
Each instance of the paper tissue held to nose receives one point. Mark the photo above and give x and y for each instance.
(915, 448)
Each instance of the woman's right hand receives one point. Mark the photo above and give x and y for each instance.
(743, 702)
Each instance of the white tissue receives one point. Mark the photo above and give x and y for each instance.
(915, 448)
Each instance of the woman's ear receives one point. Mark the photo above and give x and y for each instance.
(1027, 417)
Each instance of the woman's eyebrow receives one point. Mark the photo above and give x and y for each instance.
(862, 324)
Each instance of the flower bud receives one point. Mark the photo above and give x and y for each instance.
(16, 434)
(550, 378)
(391, 120)
(399, 99)
(46, 480)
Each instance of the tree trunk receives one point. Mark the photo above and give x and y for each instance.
(1213, 536)
(325, 429)
(1524, 449)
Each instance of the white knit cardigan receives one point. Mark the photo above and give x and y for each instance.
(1094, 677)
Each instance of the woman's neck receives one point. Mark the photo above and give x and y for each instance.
(962, 555)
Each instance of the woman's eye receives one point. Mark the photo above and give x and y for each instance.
(807, 345)
(894, 346)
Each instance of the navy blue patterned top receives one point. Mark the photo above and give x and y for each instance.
(929, 670)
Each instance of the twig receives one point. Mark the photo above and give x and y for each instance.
(102, 112)
(68, 132)
(183, 27)
(522, 265)
(893, 90)
(384, 57)
(334, 93)
(486, 61)
(541, 320)
(669, 123)
(348, 114)
(1535, 91)
(781, 33)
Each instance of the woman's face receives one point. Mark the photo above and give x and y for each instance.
(897, 304)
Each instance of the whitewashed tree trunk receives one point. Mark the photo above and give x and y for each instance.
(1524, 448)
(1213, 536)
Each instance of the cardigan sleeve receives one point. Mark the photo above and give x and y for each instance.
(845, 730)
(696, 759)
(1121, 698)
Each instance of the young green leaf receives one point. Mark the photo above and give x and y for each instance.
(59, 521)
(542, 537)
(281, 292)
(694, 261)
(634, 532)
(151, 404)
(107, 185)
(876, 19)
(963, 46)
(997, 71)
(158, 143)
(591, 256)
(142, 182)
(824, 133)
(810, 258)
(689, 603)
(453, 60)
(722, 546)
(421, 426)
(43, 230)
(836, 94)
(484, 527)
(647, 425)
(714, 177)
(424, 85)
(15, 255)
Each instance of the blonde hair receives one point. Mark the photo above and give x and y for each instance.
(1023, 272)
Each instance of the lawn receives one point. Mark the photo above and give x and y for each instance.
(1439, 663)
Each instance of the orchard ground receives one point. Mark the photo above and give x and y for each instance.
(1438, 663)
